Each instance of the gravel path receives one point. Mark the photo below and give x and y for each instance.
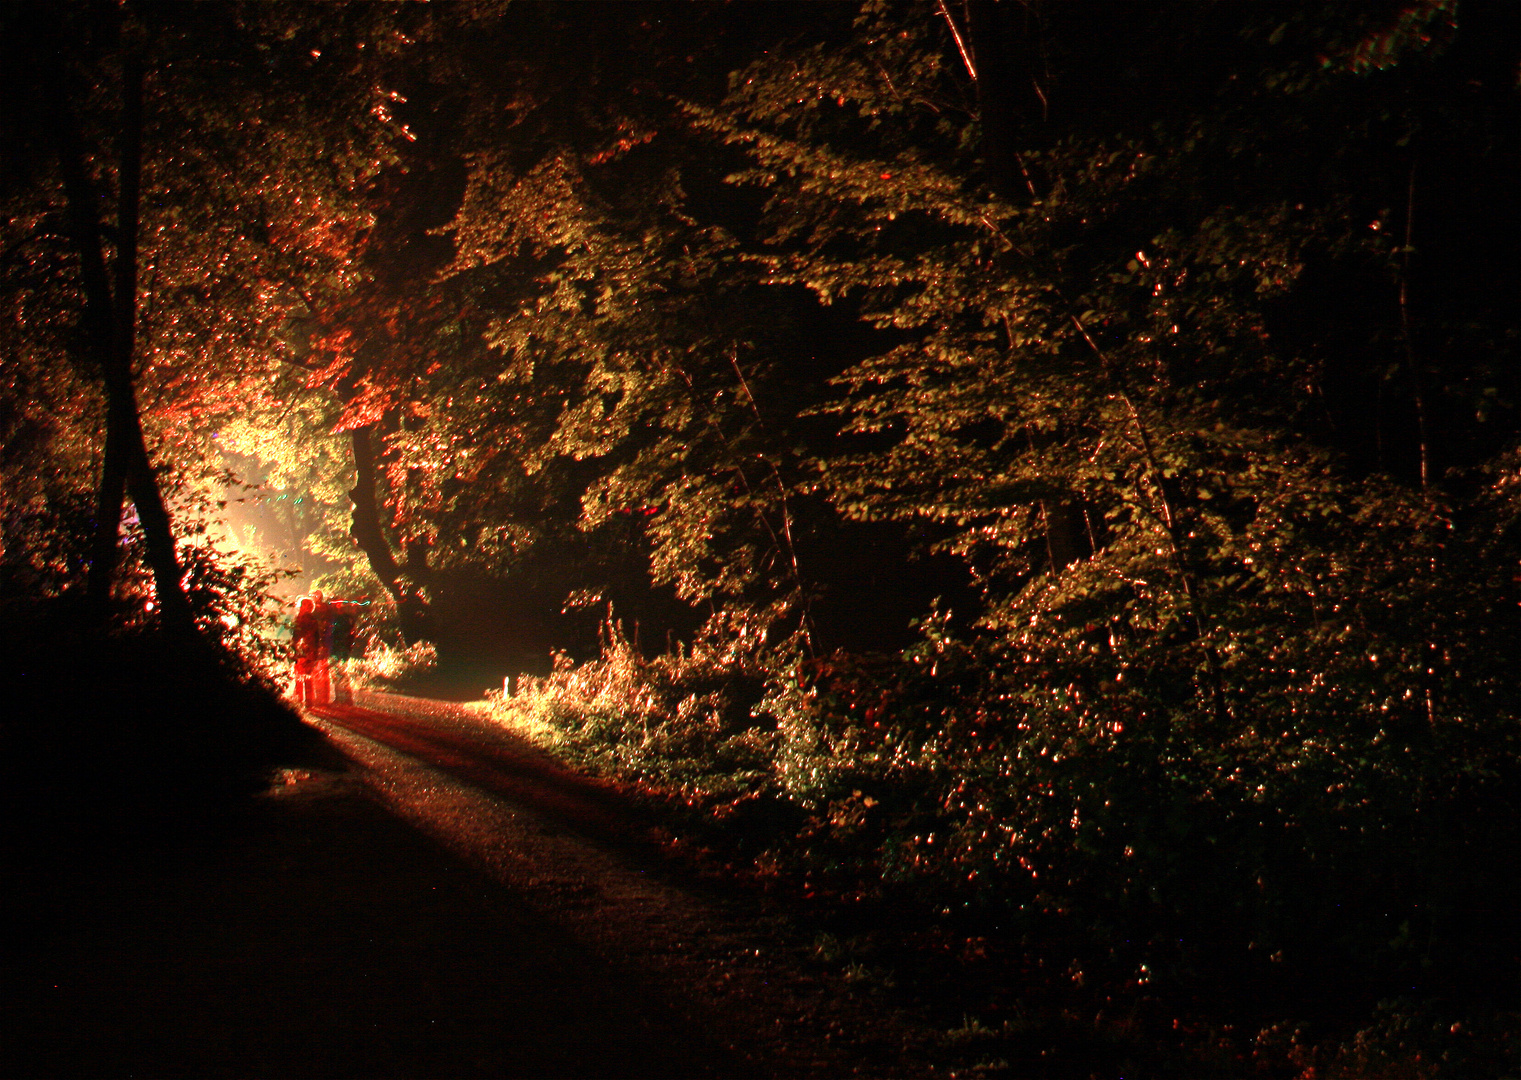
(446, 902)
(571, 852)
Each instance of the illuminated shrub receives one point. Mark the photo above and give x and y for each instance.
(681, 722)
(384, 664)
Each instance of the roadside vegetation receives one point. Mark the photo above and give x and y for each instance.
(1342, 908)
(1211, 753)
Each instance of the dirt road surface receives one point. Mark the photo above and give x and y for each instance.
(452, 903)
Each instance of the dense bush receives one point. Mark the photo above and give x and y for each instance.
(680, 723)
(1321, 847)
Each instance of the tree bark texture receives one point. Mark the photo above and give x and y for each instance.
(365, 528)
(111, 322)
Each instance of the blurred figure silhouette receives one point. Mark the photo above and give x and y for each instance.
(318, 621)
(306, 641)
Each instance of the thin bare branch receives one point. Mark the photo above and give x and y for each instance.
(966, 56)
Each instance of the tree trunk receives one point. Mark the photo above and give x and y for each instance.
(142, 484)
(365, 528)
(111, 320)
(987, 43)
(110, 497)
(989, 34)
(1407, 334)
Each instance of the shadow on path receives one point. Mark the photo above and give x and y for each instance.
(442, 899)
(327, 940)
(504, 764)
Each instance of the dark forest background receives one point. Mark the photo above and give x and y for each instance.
(1036, 465)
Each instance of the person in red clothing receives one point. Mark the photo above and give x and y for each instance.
(306, 641)
(312, 646)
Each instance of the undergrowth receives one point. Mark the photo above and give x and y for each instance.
(682, 724)
(1136, 898)
(385, 666)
